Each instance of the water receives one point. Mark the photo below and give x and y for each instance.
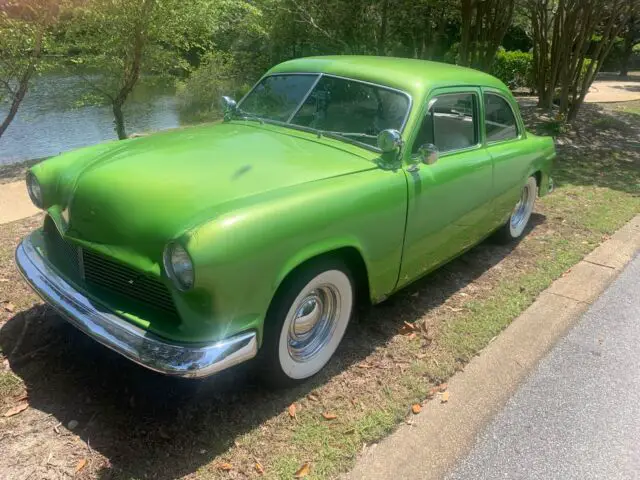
(48, 123)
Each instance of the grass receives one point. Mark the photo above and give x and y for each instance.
(632, 108)
(188, 430)
(10, 385)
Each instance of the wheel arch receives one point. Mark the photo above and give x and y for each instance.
(352, 257)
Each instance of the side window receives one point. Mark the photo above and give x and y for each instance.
(450, 124)
(499, 120)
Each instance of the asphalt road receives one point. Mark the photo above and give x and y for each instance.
(577, 416)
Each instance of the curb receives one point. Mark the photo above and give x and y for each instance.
(444, 432)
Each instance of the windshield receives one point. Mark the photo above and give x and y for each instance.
(335, 106)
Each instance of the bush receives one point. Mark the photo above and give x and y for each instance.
(199, 96)
(514, 68)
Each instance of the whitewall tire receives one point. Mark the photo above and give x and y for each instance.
(307, 321)
(521, 214)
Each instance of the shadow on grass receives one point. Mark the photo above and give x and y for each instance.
(151, 426)
(601, 148)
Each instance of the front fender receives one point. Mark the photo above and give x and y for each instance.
(242, 256)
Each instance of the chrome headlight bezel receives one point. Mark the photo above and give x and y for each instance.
(178, 266)
(34, 189)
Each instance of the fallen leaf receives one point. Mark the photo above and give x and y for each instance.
(16, 410)
(443, 386)
(292, 410)
(259, 468)
(313, 397)
(410, 326)
(412, 336)
(416, 408)
(81, 464)
(22, 397)
(224, 466)
(163, 434)
(8, 306)
(329, 416)
(303, 471)
(364, 365)
(445, 397)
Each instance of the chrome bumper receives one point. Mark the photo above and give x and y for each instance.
(144, 348)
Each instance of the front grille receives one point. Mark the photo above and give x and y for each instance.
(107, 274)
(65, 256)
(126, 281)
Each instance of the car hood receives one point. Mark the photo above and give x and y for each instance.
(144, 191)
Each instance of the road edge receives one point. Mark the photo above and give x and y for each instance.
(444, 432)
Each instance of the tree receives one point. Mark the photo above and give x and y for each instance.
(23, 31)
(114, 41)
(484, 24)
(631, 39)
(565, 55)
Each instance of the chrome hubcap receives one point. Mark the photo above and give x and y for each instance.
(520, 212)
(314, 322)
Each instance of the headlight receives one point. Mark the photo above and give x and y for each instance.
(178, 266)
(35, 192)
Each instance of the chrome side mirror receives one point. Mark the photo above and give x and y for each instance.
(428, 153)
(229, 106)
(390, 141)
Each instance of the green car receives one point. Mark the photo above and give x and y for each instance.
(335, 180)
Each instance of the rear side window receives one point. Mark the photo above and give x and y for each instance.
(499, 119)
(451, 123)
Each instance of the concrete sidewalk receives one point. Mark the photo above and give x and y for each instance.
(15, 203)
(445, 432)
(605, 91)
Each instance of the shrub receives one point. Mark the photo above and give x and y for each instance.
(199, 96)
(514, 68)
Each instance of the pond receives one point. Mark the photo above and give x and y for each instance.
(50, 122)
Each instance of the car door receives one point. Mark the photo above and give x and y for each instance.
(505, 133)
(450, 201)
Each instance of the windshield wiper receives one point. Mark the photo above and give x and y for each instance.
(346, 134)
(242, 115)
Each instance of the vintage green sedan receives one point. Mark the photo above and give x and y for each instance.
(334, 180)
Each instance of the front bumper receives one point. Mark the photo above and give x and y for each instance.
(144, 348)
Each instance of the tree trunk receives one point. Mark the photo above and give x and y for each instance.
(627, 51)
(23, 83)
(382, 36)
(119, 120)
(611, 31)
(132, 71)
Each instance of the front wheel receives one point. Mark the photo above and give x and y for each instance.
(307, 321)
(519, 219)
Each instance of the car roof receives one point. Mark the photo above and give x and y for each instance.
(410, 75)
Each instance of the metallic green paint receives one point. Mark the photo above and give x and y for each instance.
(251, 202)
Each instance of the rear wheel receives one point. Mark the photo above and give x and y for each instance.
(519, 219)
(307, 321)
